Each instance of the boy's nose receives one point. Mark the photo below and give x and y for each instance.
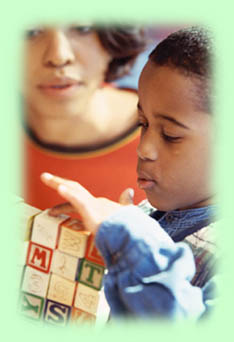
(146, 150)
(59, 50)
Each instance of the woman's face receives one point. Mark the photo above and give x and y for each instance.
(63, 68)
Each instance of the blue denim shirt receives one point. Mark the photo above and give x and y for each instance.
(148, 273)
(181, 223)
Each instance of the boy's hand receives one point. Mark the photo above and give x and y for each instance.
(126, 197)
(92, 210)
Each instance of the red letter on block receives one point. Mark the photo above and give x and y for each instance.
(92, 253)
(39, 257)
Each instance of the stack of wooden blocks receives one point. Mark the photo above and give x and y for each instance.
(62, 270)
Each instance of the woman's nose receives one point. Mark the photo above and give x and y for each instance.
(147, 149)
(59, 50)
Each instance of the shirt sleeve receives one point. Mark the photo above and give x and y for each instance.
(148, 274)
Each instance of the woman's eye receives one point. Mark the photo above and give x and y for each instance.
(83, 29)
(33, 33)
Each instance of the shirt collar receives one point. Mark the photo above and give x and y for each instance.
(181, 223)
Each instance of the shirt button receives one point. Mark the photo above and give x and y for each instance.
(169, 218)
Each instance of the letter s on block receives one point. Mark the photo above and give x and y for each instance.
(58, 312)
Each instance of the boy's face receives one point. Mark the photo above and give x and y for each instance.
(174, 154)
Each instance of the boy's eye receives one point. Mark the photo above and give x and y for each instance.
(170, 138)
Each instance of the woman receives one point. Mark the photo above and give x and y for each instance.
(76, 124)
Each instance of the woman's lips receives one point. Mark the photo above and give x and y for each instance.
(60, 90)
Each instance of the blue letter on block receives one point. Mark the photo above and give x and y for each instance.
(56, 313)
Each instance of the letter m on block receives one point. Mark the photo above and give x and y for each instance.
(39, 257)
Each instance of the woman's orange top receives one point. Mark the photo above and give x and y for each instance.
(105, 172)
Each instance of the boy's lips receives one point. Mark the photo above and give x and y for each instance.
(145, 181)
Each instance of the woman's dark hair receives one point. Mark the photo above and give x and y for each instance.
(123, 43)
(190, 51)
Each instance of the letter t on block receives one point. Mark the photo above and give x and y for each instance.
(91, 274)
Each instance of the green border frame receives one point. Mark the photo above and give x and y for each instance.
(15, 17)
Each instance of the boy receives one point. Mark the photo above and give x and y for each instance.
(149, 274)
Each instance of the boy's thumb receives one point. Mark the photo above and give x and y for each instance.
(127, 196)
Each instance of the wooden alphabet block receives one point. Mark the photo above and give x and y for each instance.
(73, 238)
(103, 310)
(39, 257)
(22, 255)
(64, 265)
(56, 313)
(61, 290)
(15, 200)
(92, 253)
(91, 274)
(35, 282)
(20, 275)
(86, 299)
(27, 215)
(31, 305)
(55, 261)
(46, 229)
(80, 317)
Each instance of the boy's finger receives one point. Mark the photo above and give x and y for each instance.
(63, 208)
(76, 198)
(126, 197)
(54, 181)
(84, 203)
(82, 200)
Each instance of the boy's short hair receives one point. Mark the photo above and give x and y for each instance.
(189, 50)
(123, 43)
